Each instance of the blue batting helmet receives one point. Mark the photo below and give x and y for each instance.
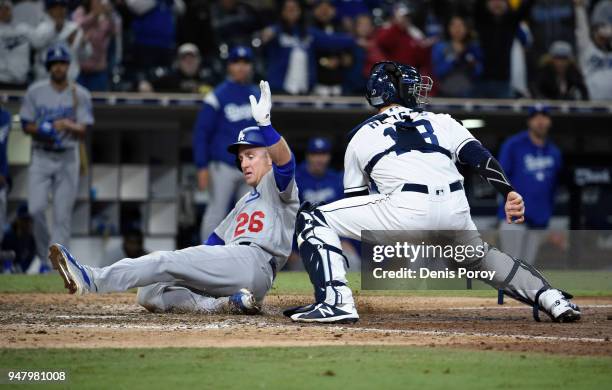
(248, 136)
(57, 53)
(391, 82)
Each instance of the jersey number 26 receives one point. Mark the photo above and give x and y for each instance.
(254, 221)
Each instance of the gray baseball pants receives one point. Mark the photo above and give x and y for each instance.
(196, 279)
(56, 173)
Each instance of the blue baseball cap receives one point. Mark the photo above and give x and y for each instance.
(538, 109)
(240, 53)
(319, 145)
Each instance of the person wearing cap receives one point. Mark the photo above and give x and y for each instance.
(14, 49)
(100, 24)
(532, 163)
(225, 111)
(316, 180)
(186, 75)
(559, 77)
(56, 29)
(594, 52)
(56, 113)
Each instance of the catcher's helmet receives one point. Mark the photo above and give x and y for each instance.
(248, 136)
(57, 53)
(391, 82)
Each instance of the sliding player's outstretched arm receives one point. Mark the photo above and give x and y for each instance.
(277, 146)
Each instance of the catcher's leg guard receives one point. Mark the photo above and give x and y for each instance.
(521, 281)
(322, 256)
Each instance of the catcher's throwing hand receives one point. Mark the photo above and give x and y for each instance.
(261, 109)
(515, 208)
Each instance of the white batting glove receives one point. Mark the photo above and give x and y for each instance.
(261, 109)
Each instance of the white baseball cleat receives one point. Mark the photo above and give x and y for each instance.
(244, 302)
(328, 314)
(76, 279)
(558, 306)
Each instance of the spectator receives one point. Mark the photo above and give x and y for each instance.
(14, 49)
(550, 21)
(233, 22)
(290, 46)
(56, 113)
(186, 76)
(368, 52)
(457, 61)
(19, 242)
(153, 33)
(225, 112)
(594, 53)
(559, 76)
(332, 65)
(5, 129)
(316, 181)
(403, 42)
(496, 25)
(99, 25)
(57, 29)
(532, 163)
(195, 26)
(29, 12)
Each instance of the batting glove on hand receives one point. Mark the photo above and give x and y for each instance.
(46, 129)
(261, 109)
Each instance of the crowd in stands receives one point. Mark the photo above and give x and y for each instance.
(550, 49)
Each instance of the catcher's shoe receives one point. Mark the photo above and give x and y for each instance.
(298, 309)
(558, 306)
(328, 314)
(243, 302)
(76, 279)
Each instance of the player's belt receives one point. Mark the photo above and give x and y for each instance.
(422, 188)
(271, 262)
(51, 149)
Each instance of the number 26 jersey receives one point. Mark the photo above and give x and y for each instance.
(265, 217)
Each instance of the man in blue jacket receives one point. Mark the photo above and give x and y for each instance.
(226, 110)
(532, 163)
(316, 181)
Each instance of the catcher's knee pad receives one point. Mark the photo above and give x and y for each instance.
(308, 218)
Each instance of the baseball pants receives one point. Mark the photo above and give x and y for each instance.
(56, 173)
(402, 211)
(225, 182)
(197, 279)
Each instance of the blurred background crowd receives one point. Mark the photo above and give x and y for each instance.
(552, 49)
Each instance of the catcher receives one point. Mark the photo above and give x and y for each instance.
(237, 265)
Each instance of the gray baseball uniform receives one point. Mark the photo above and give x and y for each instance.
(258, 236)
(55, 164)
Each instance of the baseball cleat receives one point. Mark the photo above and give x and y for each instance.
(298, 309)
(244, 302)
(76, 279)
(558, 306)
(328, 314)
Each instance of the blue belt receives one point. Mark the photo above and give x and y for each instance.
(422, 188)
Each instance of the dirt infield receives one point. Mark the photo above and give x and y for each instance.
(116, 321)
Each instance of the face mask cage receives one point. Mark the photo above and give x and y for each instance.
(421, 90)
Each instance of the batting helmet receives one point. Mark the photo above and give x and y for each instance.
(248, 136)
(57, 53)
(390, 82)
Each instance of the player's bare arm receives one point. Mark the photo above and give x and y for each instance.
(68, 125)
